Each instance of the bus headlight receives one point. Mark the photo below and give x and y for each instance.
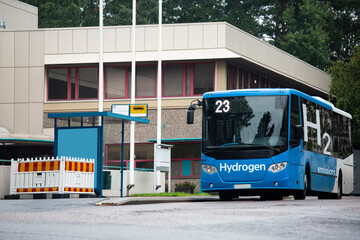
(277, 167)
(209, 168)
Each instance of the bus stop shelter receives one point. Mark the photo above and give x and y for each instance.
(80, 134)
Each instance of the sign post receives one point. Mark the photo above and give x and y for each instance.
(162, 162)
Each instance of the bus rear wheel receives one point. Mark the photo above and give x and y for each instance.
(337, 195)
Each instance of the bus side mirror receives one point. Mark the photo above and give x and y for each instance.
(299, 132)
(190, 116)
(191, 110)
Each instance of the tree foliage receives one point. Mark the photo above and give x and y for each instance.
(57, 13)
(345, 89)
(305, 33)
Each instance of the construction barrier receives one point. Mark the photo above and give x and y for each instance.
(52, 175)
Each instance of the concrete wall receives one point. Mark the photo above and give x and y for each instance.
(180, 42)
(143, 183)
(18, 15)
(22, 81)
(4, 181)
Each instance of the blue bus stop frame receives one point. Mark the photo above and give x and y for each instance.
(92, 118)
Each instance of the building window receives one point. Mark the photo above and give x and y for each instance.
(144, 156)
(173, 79)
(88, 82)
(146, 81)
(58, 84)
(80, 83)
(188, 79)
(115, 81)
(263, 82)
(246, 79)
(185, 158)
(203, 78)
(254, 81)
(232, 82)
(72, 83)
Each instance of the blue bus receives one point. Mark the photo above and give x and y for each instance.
(274, 143)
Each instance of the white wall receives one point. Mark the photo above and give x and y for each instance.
(143, 183)
(4, 181)
(18, 15)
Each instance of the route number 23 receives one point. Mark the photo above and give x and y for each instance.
(222, 106)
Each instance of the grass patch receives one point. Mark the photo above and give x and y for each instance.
(173, 194)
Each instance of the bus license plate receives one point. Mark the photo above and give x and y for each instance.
(242, 186)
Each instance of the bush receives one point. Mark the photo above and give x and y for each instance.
(185, 185)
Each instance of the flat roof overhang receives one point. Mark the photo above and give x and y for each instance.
(25, 142)
(177, 140)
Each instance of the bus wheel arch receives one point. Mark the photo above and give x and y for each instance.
(301, 194)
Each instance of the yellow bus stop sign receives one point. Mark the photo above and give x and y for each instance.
(132, 110)
(139, 110)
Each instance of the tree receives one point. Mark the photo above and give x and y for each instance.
(90, 13)
(344, 28)
(57, 13)
(120, 12)
(345, 89)
(241, 14)
(304, 34)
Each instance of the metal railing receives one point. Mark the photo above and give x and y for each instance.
(127, 168)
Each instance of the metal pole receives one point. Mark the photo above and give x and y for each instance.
(100, 161)
(159, 92)
(133, 74)
(122, 159)
(101, 65)
(159, 74)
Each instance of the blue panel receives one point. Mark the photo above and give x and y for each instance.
(79, 142)
(186, 168)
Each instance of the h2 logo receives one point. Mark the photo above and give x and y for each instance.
(316, 126)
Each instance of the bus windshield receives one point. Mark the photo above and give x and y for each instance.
(249, 123)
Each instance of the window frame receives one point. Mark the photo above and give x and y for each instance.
(68, 92)
(127, 81)
(184, 78)
(127, 161)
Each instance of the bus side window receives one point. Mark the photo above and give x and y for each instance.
(294, 117)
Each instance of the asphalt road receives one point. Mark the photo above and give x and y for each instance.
(246, 218)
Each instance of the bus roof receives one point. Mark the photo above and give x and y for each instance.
(275, 91)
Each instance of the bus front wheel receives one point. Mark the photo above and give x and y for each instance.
(226, 195)
(301, 195)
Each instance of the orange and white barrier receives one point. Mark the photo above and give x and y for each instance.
(52, 175)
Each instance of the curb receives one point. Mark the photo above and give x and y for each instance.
(152, 200)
